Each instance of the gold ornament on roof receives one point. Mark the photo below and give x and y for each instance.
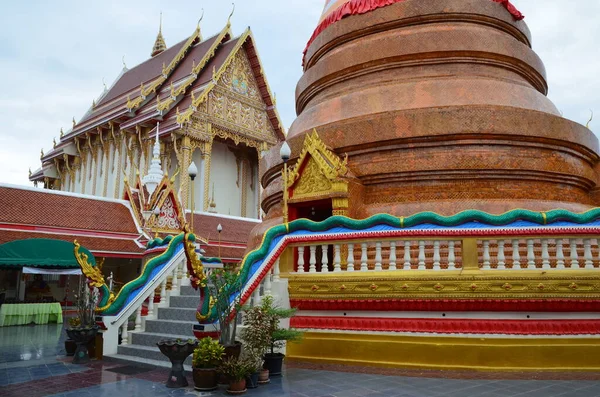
(159, 44)
(54, 143)
(230, 15)
(30, 173)
(42, 153)
(590, 120)
(62, 133)
(74, 122)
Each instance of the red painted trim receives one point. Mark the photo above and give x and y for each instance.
(358, 7)
(451, 305)
(117, 254)
(451, 326)
(59, 230)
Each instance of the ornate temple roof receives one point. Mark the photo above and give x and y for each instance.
(159, 44)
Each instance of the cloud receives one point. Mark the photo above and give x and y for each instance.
(54, 55)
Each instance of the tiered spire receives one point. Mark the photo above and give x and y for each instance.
(155, 173)
(159, 44)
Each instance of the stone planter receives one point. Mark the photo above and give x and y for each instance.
(82, 336)
(177, 351)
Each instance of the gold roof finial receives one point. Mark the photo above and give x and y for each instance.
(104, 84)
(54, 142)
(93, 103)
(193, 96)
(30, 173)
(230, 15)
(159, 44)
(62, 133)
(42, 153)
(590, 120)
(124, 65)
(74, 122)
(198, 26)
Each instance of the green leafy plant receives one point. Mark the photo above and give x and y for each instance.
(236, 369)
(74, 322)
(256, 334)
(278, 335)
(224, 289)
(86, 301)
(208, 354)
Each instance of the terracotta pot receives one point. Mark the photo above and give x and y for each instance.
(263, 376)
(205, 379)
(237, 387)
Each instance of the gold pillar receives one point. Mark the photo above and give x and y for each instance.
(186, 160)
(470, 255)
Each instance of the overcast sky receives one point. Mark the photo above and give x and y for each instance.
(55, 54)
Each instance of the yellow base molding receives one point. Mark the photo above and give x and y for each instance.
(450, 353)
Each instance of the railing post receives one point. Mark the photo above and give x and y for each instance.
(407, 255)
(138, 319)
(276, 270)
(324, 258)
(574, 255)
(470, 255)
(151, 305)
(350, 257)
(436, 255)
(392, 265)
(313, 259)
(337, 260)
(124, 334)
(174, 284)
(267, 283)
(486, 255)
(300, 259)
(378, 258)
(530, 255)
(256, 296)
(163, 293)
(501, 257)
(560, 256)
(516, 256)
(422, 255)
(545, 255)
(451, 256)
(364, 266)
(589, 260)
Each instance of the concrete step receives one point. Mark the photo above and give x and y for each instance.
(144, 362)
(171, 327)
(176, 313)
(189, 291)
(185, 301)
(151, 339)
(147, 352)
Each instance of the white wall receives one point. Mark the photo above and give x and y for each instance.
(223, 173)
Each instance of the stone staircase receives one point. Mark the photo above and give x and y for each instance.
(171, 322)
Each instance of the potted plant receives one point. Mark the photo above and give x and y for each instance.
(84, 330)
(279, 336)
(70, 345)
(227, 305)
(236, 369)
(257, 339)
(207, 357)
(177, 350)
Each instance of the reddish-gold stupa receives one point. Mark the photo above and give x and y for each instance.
(439, 106)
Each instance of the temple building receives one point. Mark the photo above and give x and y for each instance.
(119, 176)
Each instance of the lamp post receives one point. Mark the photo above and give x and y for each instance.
(219, 230)
(192, 172)
(285, 152)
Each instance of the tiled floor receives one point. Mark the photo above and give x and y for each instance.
(32, 364)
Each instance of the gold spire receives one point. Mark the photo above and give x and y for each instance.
(54, 142)
(159, 44)
(213, 205)
(74, 122)
(42, 153)
(62, 133)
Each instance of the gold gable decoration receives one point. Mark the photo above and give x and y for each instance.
(319, 173)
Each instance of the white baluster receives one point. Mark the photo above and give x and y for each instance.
(451, 256)
(350, 267)
(300, 259)
(276, 271)
(574, 255)
(337, 259)
(545, 255)
(163, 293)
(324, 258)
(560, 256)
(124, 334)
(256, 296)
(436, 255)
(313, 259)
(392, 265)
(486, 255)
(179, 270)
(364, 258)
(174, 286)
(422, 255)
(138, 319)
(501, 256)
(516, 256)
(267, 283)
(378, 258)
(589, 260)
(530, 255)
(151, 305)
(407, 255)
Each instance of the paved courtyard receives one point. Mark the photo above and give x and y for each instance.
(32, 364)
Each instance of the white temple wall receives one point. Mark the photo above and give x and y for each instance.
(77, 182)
(223, 173)
(251, 192)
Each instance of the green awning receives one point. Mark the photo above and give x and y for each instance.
(45, 253)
